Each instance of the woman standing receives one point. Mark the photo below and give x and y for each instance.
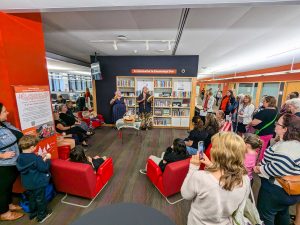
(9, 152)
(245, 113)
(219, 190)
(264, 122)
(144, 100)
(119, 106)
(208, 102)
(88, 97)
(281, 159)
(227, 102)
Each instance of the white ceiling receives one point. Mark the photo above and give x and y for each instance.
(229, 36)
(61, 66)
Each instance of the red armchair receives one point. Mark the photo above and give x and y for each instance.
(94, 124)
(170, 181)
(80, 179)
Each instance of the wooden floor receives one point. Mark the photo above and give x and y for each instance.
(127, 184)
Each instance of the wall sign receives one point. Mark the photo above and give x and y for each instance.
(154, 71)
(35, 113)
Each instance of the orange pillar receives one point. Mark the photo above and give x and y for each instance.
(22, 57)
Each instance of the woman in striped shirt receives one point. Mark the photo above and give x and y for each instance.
(281, 159)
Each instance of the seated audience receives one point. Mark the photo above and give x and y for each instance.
(63, 140)
(280, 160)
(196, 135)
(294, 106)
(220, 116)
(80, 102)
(245, 113)
(70, 109)
(253, 146)
(61, 100)
(174, 153)
(219, 190)
(61, 128)
(72, 120)
(77, 155)
(35, 176)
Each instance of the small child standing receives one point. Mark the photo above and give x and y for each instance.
(253, 145)
(35, 177)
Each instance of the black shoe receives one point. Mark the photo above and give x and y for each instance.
(46, 217)
(32, 216)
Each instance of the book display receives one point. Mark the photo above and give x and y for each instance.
(171, 105)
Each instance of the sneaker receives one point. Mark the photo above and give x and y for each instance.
(143, 171)
(32, 216)
(45, 218)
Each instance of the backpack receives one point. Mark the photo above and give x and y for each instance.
(49, 195)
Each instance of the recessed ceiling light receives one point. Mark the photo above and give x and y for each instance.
(161, 50)
(121, 37)
(135, 51)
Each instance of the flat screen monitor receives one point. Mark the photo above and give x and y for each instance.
(96, 71)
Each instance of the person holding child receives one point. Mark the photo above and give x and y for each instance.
(35, 176)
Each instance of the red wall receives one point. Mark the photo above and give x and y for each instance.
(22, 58)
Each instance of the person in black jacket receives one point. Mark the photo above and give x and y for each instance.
(174, 153)
(35, 176)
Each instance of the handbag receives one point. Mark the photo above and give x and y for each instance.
(290, 184)
(246, 213)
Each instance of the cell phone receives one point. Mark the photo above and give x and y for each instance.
(201, 149)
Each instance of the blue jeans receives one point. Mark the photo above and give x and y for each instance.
(273, 203)
(191, 151)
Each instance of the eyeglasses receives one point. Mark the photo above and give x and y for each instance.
(279, 124)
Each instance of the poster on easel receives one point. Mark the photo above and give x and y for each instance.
(35, 114)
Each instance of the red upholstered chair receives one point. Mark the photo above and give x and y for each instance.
(64, 152)
(80, 179)
(170, 181)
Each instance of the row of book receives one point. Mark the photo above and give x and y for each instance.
(162, 103)
(181, 94)
(162, 112)
(128, 94)
(163, 83)
(162, 121)
(125, 83)
(180, 112)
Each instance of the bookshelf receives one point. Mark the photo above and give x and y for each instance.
(172, 105)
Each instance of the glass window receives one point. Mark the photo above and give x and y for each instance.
(271, 89)
(248, 89)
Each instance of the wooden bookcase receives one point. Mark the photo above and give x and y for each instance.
(174, 98)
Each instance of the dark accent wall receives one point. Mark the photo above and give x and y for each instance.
(113, 66)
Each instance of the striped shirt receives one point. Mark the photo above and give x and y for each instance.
(7, 138)
(281, 159)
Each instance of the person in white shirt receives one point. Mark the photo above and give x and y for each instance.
(245, 113)
(208, 102)
(218, 191)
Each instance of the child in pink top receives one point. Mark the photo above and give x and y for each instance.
(253, 145)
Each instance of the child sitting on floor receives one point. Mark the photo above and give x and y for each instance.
(35, 177)
(78, 155)
(253, 146)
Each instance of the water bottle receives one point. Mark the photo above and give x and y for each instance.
(201, 149)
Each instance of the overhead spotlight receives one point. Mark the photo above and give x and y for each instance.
(135, 51)
(147, 45)
(160, 50)
(169, 45)
(115, 45)
(122, 37)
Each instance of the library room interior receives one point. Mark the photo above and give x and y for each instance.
(150, 112)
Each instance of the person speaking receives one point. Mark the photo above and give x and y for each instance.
(119, 106)
(144, 100)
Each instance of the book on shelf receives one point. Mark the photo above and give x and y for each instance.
(181, 94)
(180, 112)
(162, 121)
(162, 83)
(162, 103)
(125, 83)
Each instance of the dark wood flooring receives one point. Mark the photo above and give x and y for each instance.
(127, 184)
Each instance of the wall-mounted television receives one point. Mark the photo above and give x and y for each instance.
(96, 71)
